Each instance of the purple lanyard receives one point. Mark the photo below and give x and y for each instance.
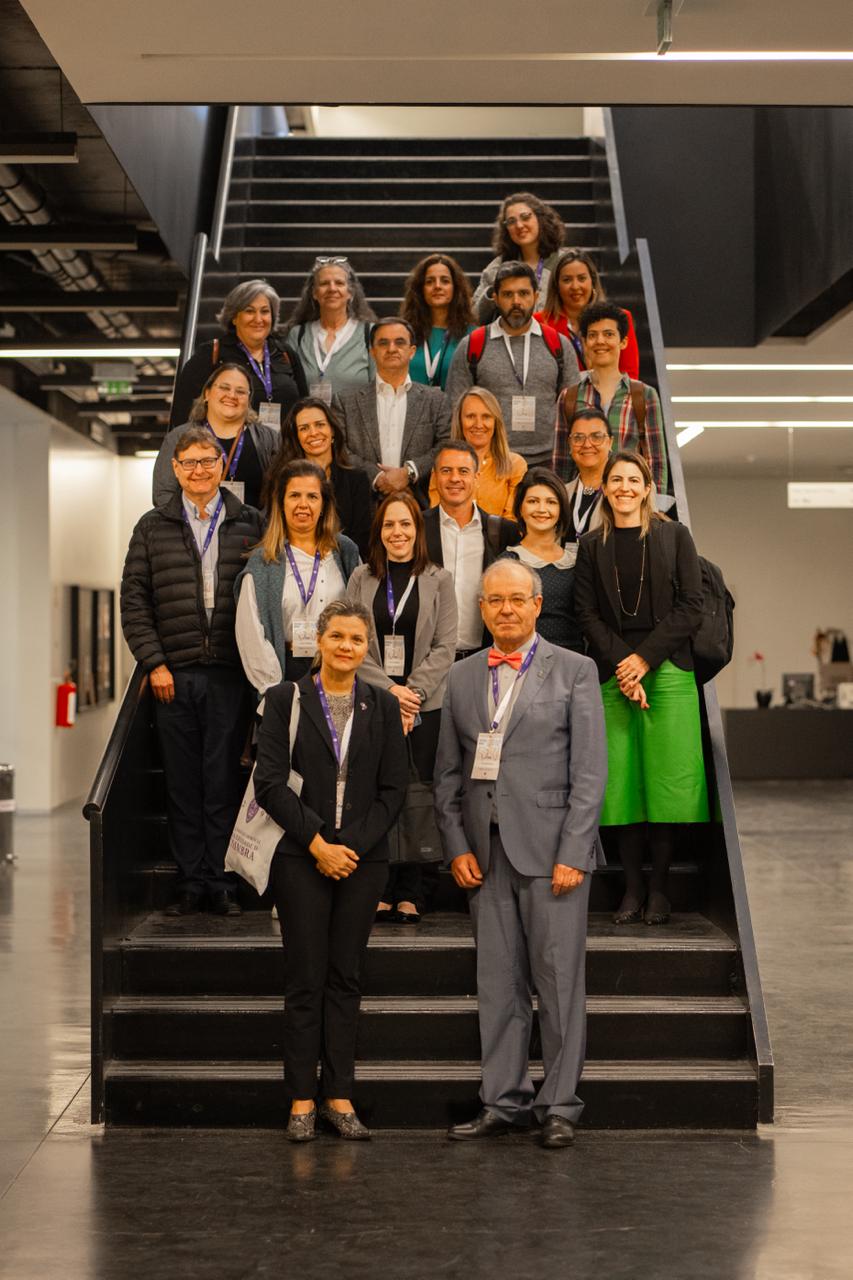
(214, 520)
(298, 576)
(232, 470)
(321, 693)
(263, 374)
(575, 340)
(539, 268)
(394, 610)
(531, 653)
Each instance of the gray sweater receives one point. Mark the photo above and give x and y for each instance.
(495, 373)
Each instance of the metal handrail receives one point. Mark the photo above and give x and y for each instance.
(217, 225)
(623, 240)
(193, 298)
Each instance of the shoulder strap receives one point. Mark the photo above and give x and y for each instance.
(555, 346)
(214, 354)
(638, 400)
(476, 346)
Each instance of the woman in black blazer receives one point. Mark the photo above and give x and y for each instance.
(331, 864)
(313, 430)
(638, 598)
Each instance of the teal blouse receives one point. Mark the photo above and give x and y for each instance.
(438, 342)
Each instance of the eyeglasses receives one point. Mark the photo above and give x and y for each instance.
(207, 464)
(523, 218)
(516, 602)
(595, 437)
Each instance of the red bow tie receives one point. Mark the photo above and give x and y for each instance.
(496, 658)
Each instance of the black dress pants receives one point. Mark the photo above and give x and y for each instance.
(201, 737)
(325, 925)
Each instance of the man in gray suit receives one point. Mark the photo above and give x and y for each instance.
(394, 425)
(519, 783)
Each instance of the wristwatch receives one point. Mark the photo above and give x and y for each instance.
(413, 472)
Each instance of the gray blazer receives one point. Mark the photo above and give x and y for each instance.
(427, 426)
(553, 772)
(164, 483)
(435, 632)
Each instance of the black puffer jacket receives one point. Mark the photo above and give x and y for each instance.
(162, 602)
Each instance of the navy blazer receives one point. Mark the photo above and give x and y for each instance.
(377, 771)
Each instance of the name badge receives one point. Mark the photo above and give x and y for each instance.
(487, 761)
(395, 655)
(322, 390)
(269, 414)
(523, 413)
(209, 588)
(237, 487)
(304, 637)
(339, 802)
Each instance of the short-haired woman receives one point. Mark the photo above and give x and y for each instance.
(330, 329)
(590, 438)
(313, 430)
(437, 305)
(412, 645)
(526, 230)
(477, 418)
(330, 865)
(574, 285)
(543, 518)
(223, 409)
(638, 594)
(301, 564)
(249, 320)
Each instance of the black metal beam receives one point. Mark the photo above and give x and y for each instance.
(89, 300)
(19, 239)
(79, 349)
(84, 381)
(38, 148)
(143, 408)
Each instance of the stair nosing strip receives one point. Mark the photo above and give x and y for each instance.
(427, 1004)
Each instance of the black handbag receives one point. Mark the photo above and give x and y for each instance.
(414, 836)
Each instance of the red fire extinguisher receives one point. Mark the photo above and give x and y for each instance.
(66, 703)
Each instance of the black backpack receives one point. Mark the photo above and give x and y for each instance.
(714, 641)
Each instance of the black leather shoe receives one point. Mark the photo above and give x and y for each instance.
(407, 917)
(186, 904)
(222, 904)
(484, 1125)
(557, 1131)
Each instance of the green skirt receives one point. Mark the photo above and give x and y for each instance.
(655, 765)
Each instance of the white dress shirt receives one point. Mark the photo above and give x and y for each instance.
(462, 551)
(391, 412)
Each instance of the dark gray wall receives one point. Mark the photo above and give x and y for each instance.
(170, 154)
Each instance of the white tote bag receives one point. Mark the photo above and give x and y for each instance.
(255, 836)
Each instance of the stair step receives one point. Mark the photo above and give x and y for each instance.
(418, 236)
(425, 1027)
(364, 210)
(372, 185)
(208, 955)
(437, 149)
(645, 1094)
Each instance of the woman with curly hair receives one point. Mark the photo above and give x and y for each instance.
(437, 304)
(575, 285)
(329, 328)
(526, 230)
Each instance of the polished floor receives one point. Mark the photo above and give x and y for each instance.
(78, 1202)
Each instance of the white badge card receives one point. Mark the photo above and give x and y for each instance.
(340, 788)
(237, 487)
(487, 761)
(269, 415)
(304, 637)
(322, 390)
(523, 413)
(395, 655)
(209, 588)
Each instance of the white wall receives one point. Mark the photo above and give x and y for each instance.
(790, 572)
(447, 122)
(134, 490)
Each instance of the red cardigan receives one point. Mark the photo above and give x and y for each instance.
(629, 359)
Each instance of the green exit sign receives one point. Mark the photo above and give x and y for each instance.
(115, 388)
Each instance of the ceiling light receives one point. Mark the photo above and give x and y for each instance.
(689, 433)
(761, 368)
(762, 399)
(146, 453)
(749, 422)
(122, 351)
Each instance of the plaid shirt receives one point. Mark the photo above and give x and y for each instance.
(623, 423)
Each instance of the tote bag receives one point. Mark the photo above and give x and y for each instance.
(255, 837)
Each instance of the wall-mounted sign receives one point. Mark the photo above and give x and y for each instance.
(811, 495)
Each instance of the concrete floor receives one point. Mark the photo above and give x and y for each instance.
(80, 1203)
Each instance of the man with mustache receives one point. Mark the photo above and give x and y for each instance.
(520, 361)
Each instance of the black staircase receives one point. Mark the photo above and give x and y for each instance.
(186, 1013)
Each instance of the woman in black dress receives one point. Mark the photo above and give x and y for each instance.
(542, 514)
(332, 862)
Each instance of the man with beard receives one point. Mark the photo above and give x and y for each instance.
(523, 363)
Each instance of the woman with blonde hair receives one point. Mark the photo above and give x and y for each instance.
(477, 418)
(301, 564)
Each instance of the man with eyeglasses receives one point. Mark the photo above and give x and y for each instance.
(177, 615)
(519, 782)
(394, 425)
(521, 362)
(632, 408)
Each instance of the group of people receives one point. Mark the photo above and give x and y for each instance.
(418, 553)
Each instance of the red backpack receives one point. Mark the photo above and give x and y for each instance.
(477, 345)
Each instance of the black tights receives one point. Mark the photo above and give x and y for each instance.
(632, 841)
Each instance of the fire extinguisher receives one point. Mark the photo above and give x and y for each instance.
(66, 703)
